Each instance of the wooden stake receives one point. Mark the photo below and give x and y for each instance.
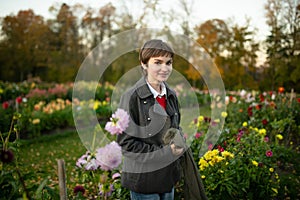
(62, 179)
(292, 95)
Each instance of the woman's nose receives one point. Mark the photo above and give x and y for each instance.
(165, 67)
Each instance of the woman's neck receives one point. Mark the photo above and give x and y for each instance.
(156, 86)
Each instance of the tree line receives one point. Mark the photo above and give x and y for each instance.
(53, 49)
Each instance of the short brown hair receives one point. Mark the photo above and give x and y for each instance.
(155, 48)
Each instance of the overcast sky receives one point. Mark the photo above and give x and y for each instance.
(237, 10)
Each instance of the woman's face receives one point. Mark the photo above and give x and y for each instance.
(159, 69)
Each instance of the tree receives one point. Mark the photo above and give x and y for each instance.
(233, 49)
(283, 46)
(23, 47)
(65, 52)
(240, 64)
(98, 26)
(213, 36)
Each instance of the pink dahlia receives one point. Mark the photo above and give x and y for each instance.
(88, 162)
(198, 135)
(116, 175)
(269, 153)
(118, 122)
(110, 156)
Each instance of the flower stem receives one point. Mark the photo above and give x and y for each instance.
(5, 144)
(2, 139)
(93, 142)
(23, 183)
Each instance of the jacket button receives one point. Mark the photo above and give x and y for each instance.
(148, 118)
(150, 134)
(145, 102)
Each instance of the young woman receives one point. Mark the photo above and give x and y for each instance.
(151, 167)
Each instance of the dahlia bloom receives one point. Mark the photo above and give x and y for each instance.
(198, 135)
(118, 122)
(19, 100)
(110, 156)
(5, 105)
(279, 136)
(87, 162)
(116, 175)
(269, 153)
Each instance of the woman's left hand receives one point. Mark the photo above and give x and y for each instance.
(175, 150)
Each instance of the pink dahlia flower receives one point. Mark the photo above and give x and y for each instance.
(269, 153)
(118, 122)
(87, 162)
(110, 156)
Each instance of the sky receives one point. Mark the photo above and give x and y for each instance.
(202, 10)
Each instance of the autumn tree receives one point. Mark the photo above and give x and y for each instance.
(23, 46)
(97, 25)
(233, 49)
(213, 36)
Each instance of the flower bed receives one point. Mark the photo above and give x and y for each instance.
(256, 156)
(253, 156)
(45, 107)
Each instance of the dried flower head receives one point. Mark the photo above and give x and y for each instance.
(7, 156)
(79, 189)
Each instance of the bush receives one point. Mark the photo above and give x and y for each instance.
(12, 180)
(262, 135)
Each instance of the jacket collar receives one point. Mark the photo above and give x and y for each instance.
(143, 90)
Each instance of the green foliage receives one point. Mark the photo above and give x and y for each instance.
(12, 179)
(262, 135)
(100, 184)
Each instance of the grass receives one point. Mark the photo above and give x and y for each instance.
(40, 156)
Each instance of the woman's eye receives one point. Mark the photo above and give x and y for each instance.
(157, 63)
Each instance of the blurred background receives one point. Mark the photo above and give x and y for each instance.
(255, 44)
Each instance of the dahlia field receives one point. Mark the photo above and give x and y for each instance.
(256, 154)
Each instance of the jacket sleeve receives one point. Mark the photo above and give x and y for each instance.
(139, 151)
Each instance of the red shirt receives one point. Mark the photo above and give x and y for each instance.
(162, 101)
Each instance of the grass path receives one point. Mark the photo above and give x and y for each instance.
(38, 158)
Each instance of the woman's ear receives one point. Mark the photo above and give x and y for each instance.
(144, 65)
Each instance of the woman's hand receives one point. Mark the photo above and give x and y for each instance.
(175, 150)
